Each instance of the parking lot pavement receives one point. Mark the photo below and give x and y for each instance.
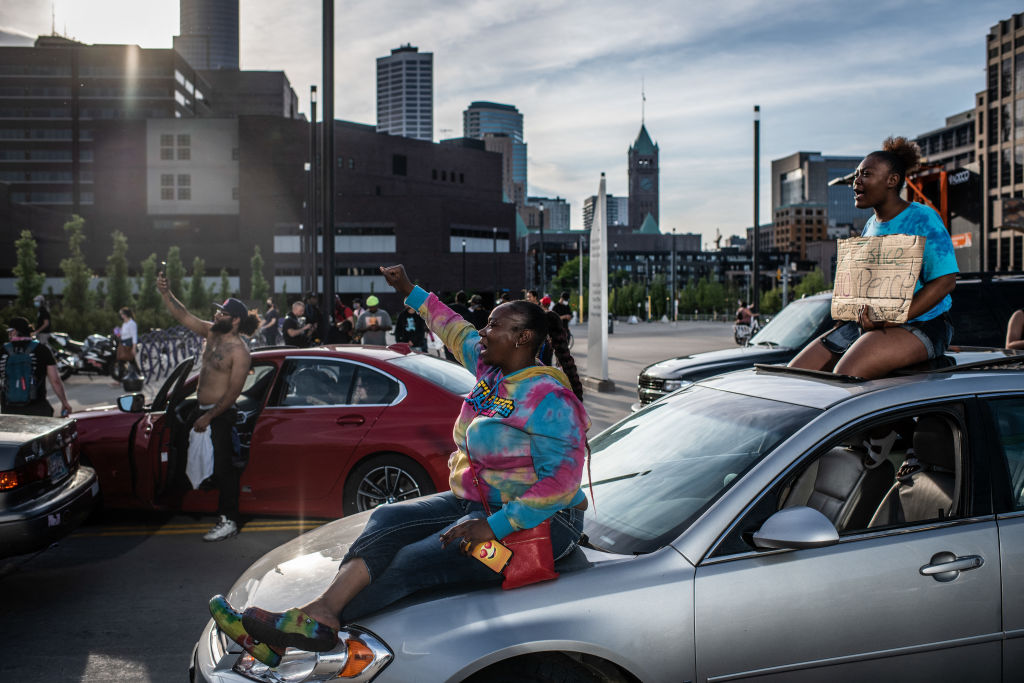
(630, 349)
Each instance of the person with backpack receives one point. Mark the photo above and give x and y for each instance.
(25, 365)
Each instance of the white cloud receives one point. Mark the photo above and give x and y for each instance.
(830, 77)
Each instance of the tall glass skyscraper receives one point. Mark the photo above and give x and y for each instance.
(490, 117)
(405, 93)
(209, 33)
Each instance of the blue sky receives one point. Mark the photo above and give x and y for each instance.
(830, 77)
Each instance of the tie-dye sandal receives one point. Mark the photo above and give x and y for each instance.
(229, 621)
(292, 628)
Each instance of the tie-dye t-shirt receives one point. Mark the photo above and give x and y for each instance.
(526, 432)
(918, 219)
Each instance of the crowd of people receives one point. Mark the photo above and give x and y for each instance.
(370, 324)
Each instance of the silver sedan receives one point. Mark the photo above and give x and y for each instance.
(766, 524)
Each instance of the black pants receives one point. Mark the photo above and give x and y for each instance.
(227, 461)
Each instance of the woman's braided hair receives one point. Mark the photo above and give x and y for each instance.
(548, 325)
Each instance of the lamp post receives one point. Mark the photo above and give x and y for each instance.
(579, 317)
(543, 271)
(494, 232)
(675, 307)
(463, 265)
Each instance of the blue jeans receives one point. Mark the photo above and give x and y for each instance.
(402, 551)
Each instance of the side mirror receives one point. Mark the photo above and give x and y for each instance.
(796, 527)
(131, 403)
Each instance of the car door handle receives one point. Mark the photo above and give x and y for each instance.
(350, 420)
(947, 566)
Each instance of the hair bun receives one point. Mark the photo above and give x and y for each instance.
(907, 150)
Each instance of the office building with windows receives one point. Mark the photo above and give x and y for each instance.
(617, 208)
(999, 115)
(209, 33)
(405, 93)
(805, 208)
(483, 120)
(555, 211)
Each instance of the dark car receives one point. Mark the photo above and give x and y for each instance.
(44, 492)
(981, 308)
(329, 431)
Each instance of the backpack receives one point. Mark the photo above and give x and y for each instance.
(20, 384)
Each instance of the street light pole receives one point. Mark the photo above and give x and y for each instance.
(579, 317)
(494, 232)
(675, 306)
(543, 264)
(309, 230)
(463, 265)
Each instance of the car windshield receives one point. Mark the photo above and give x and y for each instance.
(444, 374)
(795, 324)
(654, 472)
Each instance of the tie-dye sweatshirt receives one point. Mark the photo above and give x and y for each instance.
(526, 432)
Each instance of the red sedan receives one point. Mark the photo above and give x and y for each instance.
(329, 431)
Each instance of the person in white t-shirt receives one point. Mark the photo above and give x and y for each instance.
(130, 338)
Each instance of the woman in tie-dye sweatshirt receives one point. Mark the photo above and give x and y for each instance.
(521, 432)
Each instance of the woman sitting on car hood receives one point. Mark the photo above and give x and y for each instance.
(521, 433)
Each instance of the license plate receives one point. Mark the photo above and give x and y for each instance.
(56, 466)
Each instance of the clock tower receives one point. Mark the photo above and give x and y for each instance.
(643, 180)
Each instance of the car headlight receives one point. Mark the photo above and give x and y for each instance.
(673, 384)
(359, 656)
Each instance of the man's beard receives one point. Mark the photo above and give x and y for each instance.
(223, 326)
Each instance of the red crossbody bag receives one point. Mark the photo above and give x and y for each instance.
(532, 558)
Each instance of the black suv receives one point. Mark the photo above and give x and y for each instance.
(982, 305)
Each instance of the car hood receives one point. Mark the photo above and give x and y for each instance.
(299, 570)
(699, 365)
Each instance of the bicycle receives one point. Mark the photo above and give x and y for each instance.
(743, 332)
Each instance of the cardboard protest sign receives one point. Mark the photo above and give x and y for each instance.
(879, 272)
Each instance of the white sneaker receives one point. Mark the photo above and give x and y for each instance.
(225, 528)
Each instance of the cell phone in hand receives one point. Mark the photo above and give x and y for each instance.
(492, 553)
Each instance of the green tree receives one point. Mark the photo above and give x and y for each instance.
(771, 301)
(198, 298)
(175, 272)
(260, 288)
(225, 284)
(117, 273)
(30, 280)
(149, 298)
(812, 283)
(568, 277)
(77, 274)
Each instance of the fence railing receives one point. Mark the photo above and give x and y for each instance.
(160, 351)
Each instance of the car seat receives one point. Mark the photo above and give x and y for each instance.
(845, 485)
(926, 484)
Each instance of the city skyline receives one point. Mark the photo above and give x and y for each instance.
(827, 78)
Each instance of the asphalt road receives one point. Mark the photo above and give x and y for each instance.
(124, 597)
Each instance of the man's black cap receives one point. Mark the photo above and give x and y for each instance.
(21, 326)
(233, 307)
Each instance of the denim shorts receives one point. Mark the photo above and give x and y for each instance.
(936, 335)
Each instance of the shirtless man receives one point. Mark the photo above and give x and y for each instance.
(224, 368)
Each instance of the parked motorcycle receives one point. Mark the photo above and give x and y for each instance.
(67, 353)
(99, 355)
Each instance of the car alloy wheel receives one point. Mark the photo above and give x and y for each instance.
(385, 479)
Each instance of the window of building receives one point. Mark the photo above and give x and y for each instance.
(433, 174)
(184, 140)
(1007, 120)
(1004, 166)
(234, 154)
(167, 180)
(399, 163)
(351, 163)
(166, 140)
(166, 154)
(462, 178)
(166, 193)
(184, 194)
(184, 180)
(234, 193)
(184, 154)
